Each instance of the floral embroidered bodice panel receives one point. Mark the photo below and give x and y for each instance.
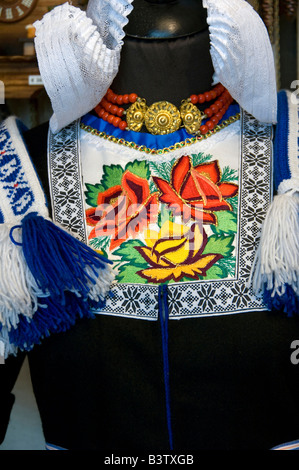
(189, 216)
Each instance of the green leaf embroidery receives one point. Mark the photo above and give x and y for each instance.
(227, 222)
(199, 158)
(100, 243)
(92, 193)
(220, 245)
(215, 272)
(163, 170)
(152, 186)
(229, 174)
(139, 168)
(112, 175)
(228, 266)
(128, 273)
(128, 253)
(233, 201)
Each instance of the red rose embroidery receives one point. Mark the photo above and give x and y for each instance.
(123, 210)
(196, 192)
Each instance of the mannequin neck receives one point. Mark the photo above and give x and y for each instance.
(169, 69)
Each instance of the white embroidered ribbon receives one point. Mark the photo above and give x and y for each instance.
(242, 56)
(77, 59)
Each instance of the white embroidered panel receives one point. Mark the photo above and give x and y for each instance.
(189, 218)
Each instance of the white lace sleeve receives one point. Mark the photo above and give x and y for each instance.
(242, 56)
(78, 57)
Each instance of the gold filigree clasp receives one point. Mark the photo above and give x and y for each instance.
(191, 117)
(135, 115)
(162, 118)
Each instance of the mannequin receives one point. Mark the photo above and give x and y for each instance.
(100, 385)
(151, 22)
(160, 19)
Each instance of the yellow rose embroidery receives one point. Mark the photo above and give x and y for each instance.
(176, 251)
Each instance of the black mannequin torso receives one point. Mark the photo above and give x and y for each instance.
(166, 19)
(171, 69)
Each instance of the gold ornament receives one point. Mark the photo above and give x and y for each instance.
(162, 118)
(135, 115)
(191, 117)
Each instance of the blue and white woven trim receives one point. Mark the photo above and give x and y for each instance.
(20, 188)
(48, 278)
(275, 271)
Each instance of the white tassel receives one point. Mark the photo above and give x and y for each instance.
(103, 281)
(8, 348)
(18, 289)
(276, 262)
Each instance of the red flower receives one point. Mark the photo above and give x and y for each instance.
(123, 210)
(196, 192)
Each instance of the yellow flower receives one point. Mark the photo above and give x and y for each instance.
(176, 252)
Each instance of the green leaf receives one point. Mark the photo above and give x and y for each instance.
(227, 222)
(199, 158)
(92, 193)
(233, 201)
(215, 272)
(127, 252)
(128, 273)
(152, 186)
(100, 243)
(165, 215)
(139, 169)
(221, 245)
(112, 175)
(229, 174)
(228, 266)
(163, 170)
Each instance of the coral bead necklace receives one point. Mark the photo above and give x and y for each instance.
(163, 117)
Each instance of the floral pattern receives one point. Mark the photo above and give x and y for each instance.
(174, 252)
(196, 191)
(167, 222)
(124, 210)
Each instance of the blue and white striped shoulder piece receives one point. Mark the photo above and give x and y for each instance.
(48, 278)
(276, 267)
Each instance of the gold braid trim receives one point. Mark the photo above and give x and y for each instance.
(178, 145)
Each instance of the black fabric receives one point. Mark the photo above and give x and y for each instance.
(171, 70)
(36, 142)
(107, 391)
(166, 18)
(232, 384)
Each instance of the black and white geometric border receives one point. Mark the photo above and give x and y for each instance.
(66, 189)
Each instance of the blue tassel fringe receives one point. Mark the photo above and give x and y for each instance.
(64, 269)
(51, 317)
(56, 259)
(287, 303)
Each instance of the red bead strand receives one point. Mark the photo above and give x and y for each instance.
(110, 108)
(208, 95)
(216, 111)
